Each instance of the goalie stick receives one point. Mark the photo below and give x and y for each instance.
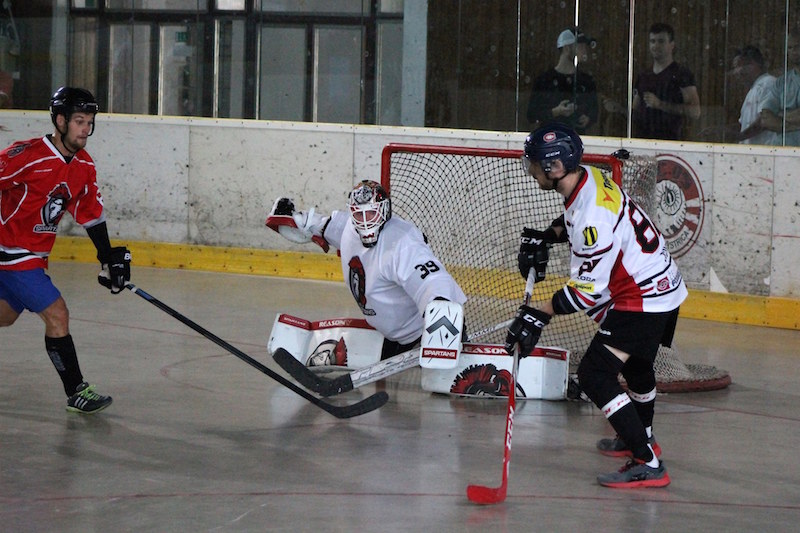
(489, 495)
(362, 376)
(345, 411)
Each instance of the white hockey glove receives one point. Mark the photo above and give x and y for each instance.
(297, 226)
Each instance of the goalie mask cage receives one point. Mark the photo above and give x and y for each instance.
(472, 204)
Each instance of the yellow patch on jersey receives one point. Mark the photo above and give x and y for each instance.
(608, 193)
(589, 236)
(581, 286)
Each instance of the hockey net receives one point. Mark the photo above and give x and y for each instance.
(472, 204)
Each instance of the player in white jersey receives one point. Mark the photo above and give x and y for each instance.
(392, 272)
(622, 275)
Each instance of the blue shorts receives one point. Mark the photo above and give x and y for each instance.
(27, 289)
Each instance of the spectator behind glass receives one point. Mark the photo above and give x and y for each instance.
(749, 70)
(772, 114)
(666, 94)
(565, 92)
(6, 88)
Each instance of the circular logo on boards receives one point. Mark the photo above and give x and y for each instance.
(679, 210)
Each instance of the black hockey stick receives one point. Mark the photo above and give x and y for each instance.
(346, 411)
(362, 376)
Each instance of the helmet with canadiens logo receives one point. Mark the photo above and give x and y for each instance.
(68, 100)
(551, 142)
(370, 209)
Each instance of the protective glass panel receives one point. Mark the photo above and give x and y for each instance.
(129, 72)
(389, 73)
(348, 7)
(179, 71)
(337, 73)
(83, 45)
(157, 5)
(283, 73)
(229, 69)
(231, 5)
(390, 6)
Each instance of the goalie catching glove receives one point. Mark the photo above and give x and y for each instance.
(526, 329)
(297, 226)
(115, 269)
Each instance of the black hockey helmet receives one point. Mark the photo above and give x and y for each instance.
(554, 141)
(68, 100)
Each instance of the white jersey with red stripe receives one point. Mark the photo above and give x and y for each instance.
(37, 186)
(619, 258)
(394, 280)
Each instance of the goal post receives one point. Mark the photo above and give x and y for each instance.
(472, 203)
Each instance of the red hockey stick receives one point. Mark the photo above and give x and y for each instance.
(490, 495)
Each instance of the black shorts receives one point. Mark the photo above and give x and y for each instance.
(638, 334)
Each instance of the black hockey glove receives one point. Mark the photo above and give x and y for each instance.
(526, 329)
(116, 269)
(534, 252)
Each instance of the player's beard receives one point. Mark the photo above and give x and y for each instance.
(73, 143)
(546, 183)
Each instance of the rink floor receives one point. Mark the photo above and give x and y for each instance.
(197, 440)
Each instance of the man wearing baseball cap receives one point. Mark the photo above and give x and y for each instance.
(565, 92)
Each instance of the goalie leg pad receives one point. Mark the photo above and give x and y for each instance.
(441, 334)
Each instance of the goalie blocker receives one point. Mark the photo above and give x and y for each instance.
(441, 334)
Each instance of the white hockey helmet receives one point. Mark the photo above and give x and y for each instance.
(370, 208)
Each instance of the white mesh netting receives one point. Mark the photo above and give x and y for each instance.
(472, 205)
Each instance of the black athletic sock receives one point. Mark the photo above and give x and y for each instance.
(629, 427)
(62, 353)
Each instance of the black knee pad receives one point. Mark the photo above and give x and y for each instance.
(597, 373)
(639, 375)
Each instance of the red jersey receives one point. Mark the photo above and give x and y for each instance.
(37, 185)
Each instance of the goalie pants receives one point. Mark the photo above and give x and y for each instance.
(639, 335)
(392, 348)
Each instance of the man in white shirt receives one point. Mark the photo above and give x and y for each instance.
(749, 69)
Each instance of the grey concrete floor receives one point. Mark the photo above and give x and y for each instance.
(196, 440)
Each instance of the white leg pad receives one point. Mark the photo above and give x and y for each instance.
(441, 336)
(484, 370)
(342, 342)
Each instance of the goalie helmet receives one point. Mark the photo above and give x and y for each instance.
(370, 208)
(551, 142)
(68, 100)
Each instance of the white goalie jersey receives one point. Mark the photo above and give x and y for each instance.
(394, 280)
(619, 259)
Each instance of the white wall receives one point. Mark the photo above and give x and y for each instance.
(211, 181)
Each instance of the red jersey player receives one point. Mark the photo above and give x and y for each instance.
(40, 180)
(622, 275)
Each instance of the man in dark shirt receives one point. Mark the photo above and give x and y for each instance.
(564, 92)
(666, 94)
